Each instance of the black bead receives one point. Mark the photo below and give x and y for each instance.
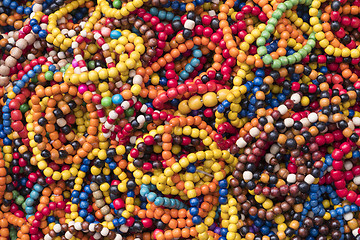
(205, 79)
(354, 137)
(63, 154)
(187, 33)
(335, 26)
(218, 76)
(304, 187)
(273, 136)
(342, 124)
(38, 138)
(263, 121)
(66, 129)
(42, 121)
(297, 125)
(215, 24)
(58, 113)
(111, 152)
(191, 15)
(131, 184)
(273, 179)
(45, 153)
(335, 5)
(315, 172)
(72, 104)
(290, 144)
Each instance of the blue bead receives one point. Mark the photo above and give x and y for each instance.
(223, 232)
(162, 14)
(196, 220)
(265, 230)
(34, 194)
(38, 187)
(6, 3)
(154, 11)
(354, 208)
(42, 33)
(159, 201)
(75, 193)
(223, 192)
(222, 200)
(115, 34)
(197, 53)
(175, 5)
(223, 183)
(191, 168)
(90, 218)
(20, 9)
(130, 194)
(183, 7)
(117, 99)
(194, 202)
(83, 213)
(194, 211)
(347, 208)
(83, 196)
(195, 62)
(76, 200)
(169, 15)
(84, 204)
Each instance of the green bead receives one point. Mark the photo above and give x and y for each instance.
(19, 200)
(106, 101)
(267, 59)
(91, 65)
(23, 205)
(294, 2)
(34, 79)
(129, 112)
(276, 64)
(302, 1)
(284, 61)
(117, 4)
(49, 75)
(24, 108)
(67, 66)
(291, 59)
(15, 194)
(297, 57)
(307, 48)
(142, 100)
(272, 22)
(260, 41)
(270, 28)
(308, 2)
(302, 52)
(277, 14)
(262, 51)
(281, 7)
(265, 34)
(288, 5)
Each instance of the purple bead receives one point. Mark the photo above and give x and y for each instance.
(217, 230)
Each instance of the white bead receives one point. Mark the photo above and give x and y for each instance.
(61, 122)
(351, 125)
(309, 179)
(31, 56)
(274, 149)
(132, 73)
(357, 180)
(118, 237)
(125, 105)
(356, 121)
(296, 98)
(103, 119)
(97, 235)
(268, 156)
(119, 84)
(107, 125)
(107, 135)
(124, 228)
(47, 237)
(97, 36)
(78, 226)
(282, 109)
(313, 117)
(189, 24)
(104, 232)
(270, 119)
(212, 13)
(140, 119)
(348, 165)
(254, 132)
(305, 122)
(71, 223)
(132, 139)
(105, 47)
(241, 143)
(98, 106)
(75, 45)
(247, 175)
(143, 108)
(108, 60)
(71, 33)
(355, 232)
(276, 168)
(113, 115)
(83, 33)
(291, 178)
(289, 122)
(57, 228)
(348, 216)
(68, 235)
(84, 69)
(137, 79)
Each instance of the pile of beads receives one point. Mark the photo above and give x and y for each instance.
(169, 119)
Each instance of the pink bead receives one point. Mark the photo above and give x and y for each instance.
(147, 222)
